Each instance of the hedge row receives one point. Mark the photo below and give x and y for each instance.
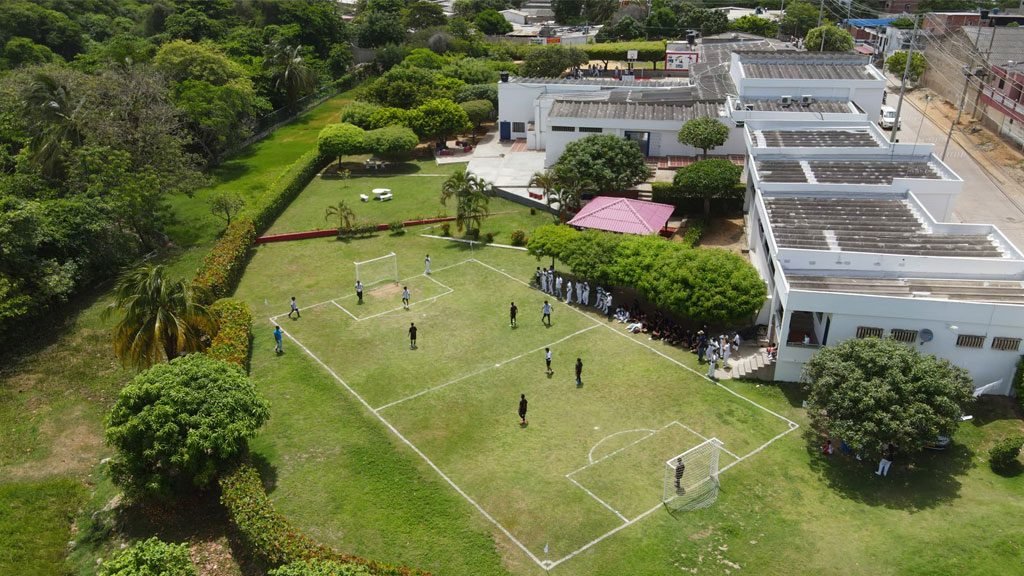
(232, 342)
(1018, 383)
(647, 51)
(666, 193)
(270, 537)
(223, 266)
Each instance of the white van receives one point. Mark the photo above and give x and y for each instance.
(887, 119)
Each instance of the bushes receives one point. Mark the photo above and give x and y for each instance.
(148, 558)
(446, 229)
(1018, 383)
(667, 193)
(397, 228)
(518, 238)
(269, 536)
(1003, 456)
(223, 266)
(357, 231)
(694, 231)
(320, 568)
(231, 344)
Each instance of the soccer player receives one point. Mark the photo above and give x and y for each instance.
(279, 340)
(579, 372)
(522, 409)
(359, 291)
(426, 265)
(405, 297)
(295, 309)
(412, 335)
(547, 360)
(546, 318)
(680, 469)
(512, 310)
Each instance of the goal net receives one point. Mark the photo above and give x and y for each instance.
(691, 478)
(377, 270)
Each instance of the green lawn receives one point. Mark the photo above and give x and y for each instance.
(35, 524)
(785, 510)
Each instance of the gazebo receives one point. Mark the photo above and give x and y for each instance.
(623, 215)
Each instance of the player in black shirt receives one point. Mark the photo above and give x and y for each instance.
(512, 314)
(412, 336)
(522, 408)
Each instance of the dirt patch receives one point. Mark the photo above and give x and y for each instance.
(74, 450)
(387, 290)
(214, 557)
(724, 233)
(701, 535)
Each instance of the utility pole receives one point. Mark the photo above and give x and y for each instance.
(821, 6)
(985, 66)
(903, 82)
(963, 96)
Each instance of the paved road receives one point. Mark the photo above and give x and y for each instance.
(982, 200)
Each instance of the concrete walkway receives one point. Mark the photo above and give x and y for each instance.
(496, 162)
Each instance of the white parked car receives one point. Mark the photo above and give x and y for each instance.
(888, 118)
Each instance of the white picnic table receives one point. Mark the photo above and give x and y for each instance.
(382, 194)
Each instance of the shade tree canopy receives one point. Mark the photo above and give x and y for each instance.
(707, 179)
(393, 142)
(897, 64)
(609, 163)
(704, 132)
(176, 425)
(869, 392)
(828, 38)
(337, 140)
(552, 61)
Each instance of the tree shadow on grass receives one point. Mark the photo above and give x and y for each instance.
(989, 409)
(793, 391)
(268, 472)
(920, 482)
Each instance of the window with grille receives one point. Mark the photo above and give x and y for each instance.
(969, 341)
(903, 335)
(591, 129)
(1003, 343)
(519, 126)
(563, 128)
(869, 332)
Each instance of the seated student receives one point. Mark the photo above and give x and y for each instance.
(826, 448)
(635, 327)
(772, 350)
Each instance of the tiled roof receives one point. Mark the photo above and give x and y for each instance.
(623, 215)
(587, 81)
(632, 110)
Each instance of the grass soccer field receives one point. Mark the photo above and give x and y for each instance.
(590, 461)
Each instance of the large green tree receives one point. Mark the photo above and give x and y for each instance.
(828, 38)
(440, 118)
(391, 142)
(478, 111)
(707, 179)
(872, 391)
(752, 24)
(609, 163)
(291, 75)
(472, 195)
(176, 425)
(338, 140)
(704, 132)
(798, 18)
(492, 23)
(552, 61)
(160, 318)
(897, 64)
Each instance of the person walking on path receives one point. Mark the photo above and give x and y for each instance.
(680, 470)
(546, 317)
(886, 461)
(512, 310)
(426, 265)
(405, 297)
(547, 360)
(412, 335)
(279, 340)
(295, 309)
(579, 372)
(359, 291)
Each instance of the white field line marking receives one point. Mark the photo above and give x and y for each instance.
(705, 438)
(792, 425)
(411, 304)
(345, 310)
(482, 370)
(473, 243)
(590, 455)
(543, 564)
(594, 496)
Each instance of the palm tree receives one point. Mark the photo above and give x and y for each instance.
(472, 195)
(289, 71)
(343, 213)
(161, 318)
(565, 194)
(545, 180)
(55, 109)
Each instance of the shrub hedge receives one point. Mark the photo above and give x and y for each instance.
(223, 266)
(1003, 455)
(271, 537)
(694, 231)
(647, 50)
(232, 342)
(666, 193)
(1018, 383)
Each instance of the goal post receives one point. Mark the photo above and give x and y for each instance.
(378, 270)
(691, 478)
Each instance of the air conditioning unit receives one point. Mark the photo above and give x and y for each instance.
(806, 99)
(748, 107)
(786, 101)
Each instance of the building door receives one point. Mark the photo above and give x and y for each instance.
(505, 130)
(643, 139)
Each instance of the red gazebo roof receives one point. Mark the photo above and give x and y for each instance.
(623, 215)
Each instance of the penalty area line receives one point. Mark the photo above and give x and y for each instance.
(543, 564)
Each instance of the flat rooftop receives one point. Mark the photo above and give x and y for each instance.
(815, 106)
(632, 110)
(872, 225)
(845, 171)
(804, 65)
(591, 81)
(992, 291)
(825, 138)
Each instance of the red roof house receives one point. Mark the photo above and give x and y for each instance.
(623, 215)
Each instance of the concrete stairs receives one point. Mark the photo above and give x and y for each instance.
(755, 366)
(644, 195)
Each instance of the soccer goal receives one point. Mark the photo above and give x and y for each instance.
(691, 478)
(377, 270)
